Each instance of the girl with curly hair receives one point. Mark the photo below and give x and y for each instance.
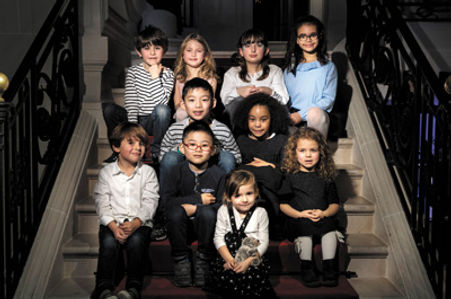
(311, 79)
(254, 73)
(194, 59)
(312, 204)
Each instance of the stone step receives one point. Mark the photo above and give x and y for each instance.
(375, 287)
(341, 150)
(348, 181)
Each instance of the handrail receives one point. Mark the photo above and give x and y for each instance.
(412, 116)
(37, 118)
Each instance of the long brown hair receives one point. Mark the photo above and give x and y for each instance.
(235, 180)
(252, 36)
(325, 167)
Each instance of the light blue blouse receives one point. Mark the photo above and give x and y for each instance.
(314, 85)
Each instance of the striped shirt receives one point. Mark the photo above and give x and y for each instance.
(143, 94)
(223, 135)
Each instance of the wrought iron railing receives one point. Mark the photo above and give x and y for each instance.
(37, 119)
(411, 113)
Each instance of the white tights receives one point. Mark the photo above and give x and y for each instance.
(304, 246)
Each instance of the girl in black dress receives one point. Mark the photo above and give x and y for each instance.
(312, 205)
(261, 132)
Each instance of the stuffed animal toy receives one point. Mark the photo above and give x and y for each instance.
(247, 249)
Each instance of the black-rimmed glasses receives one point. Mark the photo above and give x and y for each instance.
(312, 36)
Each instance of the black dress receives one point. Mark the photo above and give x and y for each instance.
(307, 190)
(254, 283)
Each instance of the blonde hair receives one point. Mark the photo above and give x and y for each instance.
(207, 67)
(325, 166)
(235, 180)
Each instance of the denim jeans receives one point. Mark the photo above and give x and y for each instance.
(136, 246)
(156, 124)
(113, 115)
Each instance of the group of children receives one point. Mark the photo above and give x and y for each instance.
(270, 176)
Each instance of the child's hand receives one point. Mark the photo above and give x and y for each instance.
(190, 209)
(242, 267)
(230, 265)
(264, 89)
(129, 227)
(207, 198)
(308, 214)
(245, 91)
(318, 214)
(260, 163)
(155, 70)
(295, 118)
(120, 235)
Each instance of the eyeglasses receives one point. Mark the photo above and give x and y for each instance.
(312, 36)
(203, 147)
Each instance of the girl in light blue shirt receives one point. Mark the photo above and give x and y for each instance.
(310, 78)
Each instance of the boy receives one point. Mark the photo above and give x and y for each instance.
(126, 197)
(148, 88)
(192, 195)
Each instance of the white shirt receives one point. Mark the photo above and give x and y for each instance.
(119, 197)
(257, 227)
(274, 81)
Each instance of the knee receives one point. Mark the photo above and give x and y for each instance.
(171, 159)
(316, 115)
(139, 238)
(207, 214)
(162, 111)
(175, 215)
(226, 161)
(109, 243)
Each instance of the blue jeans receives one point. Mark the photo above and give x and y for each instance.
(136, 246)
(156, 124)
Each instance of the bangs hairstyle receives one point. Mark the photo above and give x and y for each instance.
(198, 126)
(248, 37)
(325, 167)
(151, 36)
(278, 112)
(208, 66)
(235, 180)
(127, 130)
(197, 83)
(294, 54)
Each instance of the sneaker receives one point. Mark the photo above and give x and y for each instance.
(110, 159)
(182, 273)
(201, 270)
(107, 294)
(131, 293)
(158, 233)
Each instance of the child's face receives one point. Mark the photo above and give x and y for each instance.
(307, 38)
(258, 121)
(244, 199)
(197, 103)
(307, 153)
(194, 54)
(198, 148)
(151, 54)
(253, 52)
(131, 150)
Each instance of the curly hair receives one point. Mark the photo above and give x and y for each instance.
(278, 112)
(207, 68)
(325, 166)
(234, 181)
(251, 36)
(294, 54)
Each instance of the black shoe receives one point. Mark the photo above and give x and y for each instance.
(308, 275)
(182, 273)
(158, 233)
(131, 293)
(201, 270)
(330, 277)
(111, 159)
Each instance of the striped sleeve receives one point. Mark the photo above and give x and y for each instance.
(226, 140)
(131, 97)
(172, 138)
(160, 88)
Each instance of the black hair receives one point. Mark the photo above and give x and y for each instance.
(197, 83)
(252, 35)
(198, 126)
(128, 129)
(151, 35)
(294, 54)
(278, 112)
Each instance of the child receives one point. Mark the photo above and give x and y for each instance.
(194, 59)
(254, 73)
(261, 124)
(191, 199)
(198, 101)
(313, 204)
(311, 79)
(148, 87)
(238, 218)
(126, 197)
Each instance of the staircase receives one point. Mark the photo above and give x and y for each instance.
(367, 252)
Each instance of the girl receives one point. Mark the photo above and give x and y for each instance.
(238, 218)
(313, 204)
(311, 79)
(253, 74)
(194, 59)
(261, 124)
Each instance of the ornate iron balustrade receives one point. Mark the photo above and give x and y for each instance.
(411, 113)
(37, 118)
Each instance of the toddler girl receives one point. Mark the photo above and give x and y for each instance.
(238, 218)
(253, 74)
(313, 203)
(194, 59)
(311, 79)
(261, 124)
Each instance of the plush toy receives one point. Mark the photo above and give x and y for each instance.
(247, 249)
